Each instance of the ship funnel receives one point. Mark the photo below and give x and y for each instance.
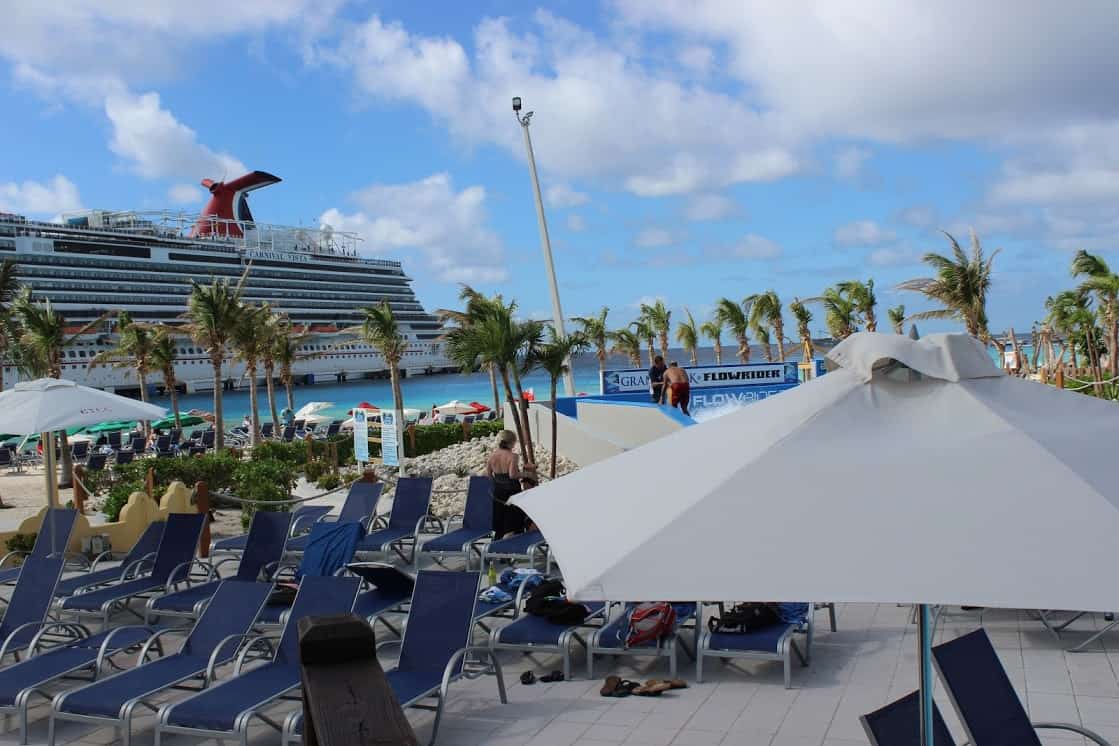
(228, 205)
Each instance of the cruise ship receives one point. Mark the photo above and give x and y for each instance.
(101, 262)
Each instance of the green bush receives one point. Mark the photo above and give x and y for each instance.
(118, 498)
(431, 438)
(315, 469)
(22, 543)
(329, 481)
(263, 481)
(294, 453)
(216, 470)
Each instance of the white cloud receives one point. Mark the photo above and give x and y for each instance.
(562, 195)
(589, 123)
(697, 58)
(186, 194)
(57, 195)
(849, 162)
(160, 146)
(710, 207)
(863, 233)
(753, 246)
(449, 227)
(892, 257)
(653, 237)
(576, 223)
(919, 216)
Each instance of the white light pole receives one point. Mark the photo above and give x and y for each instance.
(557, 310)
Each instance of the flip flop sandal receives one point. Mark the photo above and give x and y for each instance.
(528, 677)
(652, 688)
(610, 686)
(551, 677)
(626, 688)
(678, 683)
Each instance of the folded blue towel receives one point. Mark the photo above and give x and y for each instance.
(494, 595)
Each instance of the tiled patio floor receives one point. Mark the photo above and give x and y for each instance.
(868, 662)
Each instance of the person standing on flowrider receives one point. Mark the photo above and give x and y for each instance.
(679, 387)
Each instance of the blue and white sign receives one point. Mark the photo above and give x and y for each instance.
(390, 441)
(361, 437)
(636, 380)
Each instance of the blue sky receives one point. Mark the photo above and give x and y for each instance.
(688, 150)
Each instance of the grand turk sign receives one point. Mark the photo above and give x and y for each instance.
(635, 380)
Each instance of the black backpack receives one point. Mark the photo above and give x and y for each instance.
(549, 600)
(744, 618)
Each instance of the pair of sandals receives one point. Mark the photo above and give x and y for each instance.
(615, 686)
(528, 677)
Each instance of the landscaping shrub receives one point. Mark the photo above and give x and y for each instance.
(118, 498)
(22, 543)
(264, 481)
(329, 481)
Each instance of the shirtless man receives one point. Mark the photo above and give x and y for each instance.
(679, 388)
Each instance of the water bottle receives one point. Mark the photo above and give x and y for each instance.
(491, 575)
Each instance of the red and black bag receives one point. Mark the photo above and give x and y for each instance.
(649, 622)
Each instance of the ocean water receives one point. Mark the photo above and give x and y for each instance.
(421, 392)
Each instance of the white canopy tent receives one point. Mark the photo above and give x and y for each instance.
(49, 404)
(916, 472)
(456, 407)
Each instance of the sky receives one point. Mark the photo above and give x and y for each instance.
(687, 150)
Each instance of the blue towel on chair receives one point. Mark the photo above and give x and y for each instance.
(790, 613)
(329, 548)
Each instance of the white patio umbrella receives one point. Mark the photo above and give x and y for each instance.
(312, 407)
(456, 407)
(49, 404)
(915, 472)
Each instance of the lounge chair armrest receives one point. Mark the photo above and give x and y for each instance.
(150, 642)
(106, 556)
(386, 643)
(283, 567)
(255, 640)
(215, 655)
(433, 520)
(135, 567)
(269, 571)
(75, 558)
(12, 635)
(217, 565)
(1090, 735)
(80, 630)
(378, 521)
(103, 651)
(480, 651)
(173, 579)
(302, 523)
(11, 555)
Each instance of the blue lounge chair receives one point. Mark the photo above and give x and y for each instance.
(114, 440)
(409, 514)
(225, 711)
(172, 565)
(137, 562)
(390, 590)
(267, 535)
(899, 724)
(610, 639)
(536, 634)
(773, 643)
(435, 646)
(360, 507)
(87, 655)
(97, 462)
(984, 698)
(330, 548)
(477, 526)
(79, 450)
(53, 538)
(30, 603)
(123, 458)
(529, 546)
(301, 520)
(214, 640)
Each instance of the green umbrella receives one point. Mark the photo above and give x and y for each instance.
(185, 420)
(107, 427)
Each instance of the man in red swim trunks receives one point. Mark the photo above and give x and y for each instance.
(679, 388)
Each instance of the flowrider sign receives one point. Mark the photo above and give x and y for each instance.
(636, 380)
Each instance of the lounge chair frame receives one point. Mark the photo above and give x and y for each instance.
(562, 647)
(665, 647)
(783, 652)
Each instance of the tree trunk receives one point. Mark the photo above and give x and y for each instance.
(695, 358)
(522, 405)
(219, 422)
(552, 469)
(397, 405)
(1113, 342)
(652, 352)
(143, 378)
(289, 386)
(664, 345)
(173, 392)
(601, 359)
(779, 330)
(493, 386)
(67, 479)
(743, 349)
(718, 351)
(254, 409)
(270, 384)
(767, 352)
(517, 428)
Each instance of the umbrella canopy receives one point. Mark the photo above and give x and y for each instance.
(109, 427)
(479, 407)
(456, 407)
(868, 484)
(49, 404)
(366, 406)
(312, 407)
(185, 420)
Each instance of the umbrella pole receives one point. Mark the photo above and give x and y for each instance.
(47, 439)
(925, 683)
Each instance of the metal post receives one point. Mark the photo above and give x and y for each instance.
(925, 683)
(557, 310)
(47, 439)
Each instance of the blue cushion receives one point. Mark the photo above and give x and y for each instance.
(489, 608)
(105, 697)
(453, 541)
(377, 601)
(185, 600)
(9, 575)
(232, 544)
(93, 600)
(516, 544)
(409, 686)
(377, 539)
(761, 640)
(217, 708)
(69, 586)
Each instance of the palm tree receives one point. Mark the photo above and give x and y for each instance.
(713, 330)
(476, 305)
(897, 319)
(627, 343)
(960, 286)
(1100, 280)
(644, 331)
(765, 311)
(1071, 316)
(250, 338)
(687, 334)
(9, 289)
(734, 317)
(268, 362)
(42, 340)
(840, 312)
(380, 330)
(659, 319)
(595, 333)
(528, 336)
(287, 348)
(163, 357)
(803, 317)
(212, 314)
(861, 294)
(761, 334)
(133, 350)
(552, 357)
